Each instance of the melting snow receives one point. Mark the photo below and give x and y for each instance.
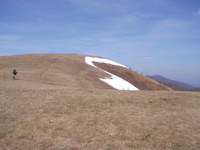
(89, 61)
(114, 81)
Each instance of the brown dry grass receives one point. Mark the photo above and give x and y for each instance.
(52, 69)
(98, 119)
(42, 113)
(68, 70)
(138, 80)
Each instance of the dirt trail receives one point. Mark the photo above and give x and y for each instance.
(50, 64)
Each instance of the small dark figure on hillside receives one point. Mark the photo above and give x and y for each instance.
(14, 74)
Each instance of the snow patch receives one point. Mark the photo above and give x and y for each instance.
(89, 61)
(114, 81)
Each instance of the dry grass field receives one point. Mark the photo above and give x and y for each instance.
(40, 112)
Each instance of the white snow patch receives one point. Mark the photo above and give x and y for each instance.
(89, 61)
(114, 81)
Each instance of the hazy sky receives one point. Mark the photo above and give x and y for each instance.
(149, 36)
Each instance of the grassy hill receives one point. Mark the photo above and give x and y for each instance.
(59, 70)
(51, 107)
(68, 70)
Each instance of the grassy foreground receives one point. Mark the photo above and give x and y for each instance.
(73, 119)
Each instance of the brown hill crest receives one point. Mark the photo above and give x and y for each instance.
(69, 70)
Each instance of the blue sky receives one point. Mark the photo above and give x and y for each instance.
(149, 36)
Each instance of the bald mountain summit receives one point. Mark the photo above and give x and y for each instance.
(73, 71)
(82, 102)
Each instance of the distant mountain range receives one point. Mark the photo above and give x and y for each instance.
(178, 86)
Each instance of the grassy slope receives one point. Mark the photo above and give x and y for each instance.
(40, 111)
(64, 118)
(67, 70)
(136, 79)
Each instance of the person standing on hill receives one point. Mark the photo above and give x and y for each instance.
(14, 73)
